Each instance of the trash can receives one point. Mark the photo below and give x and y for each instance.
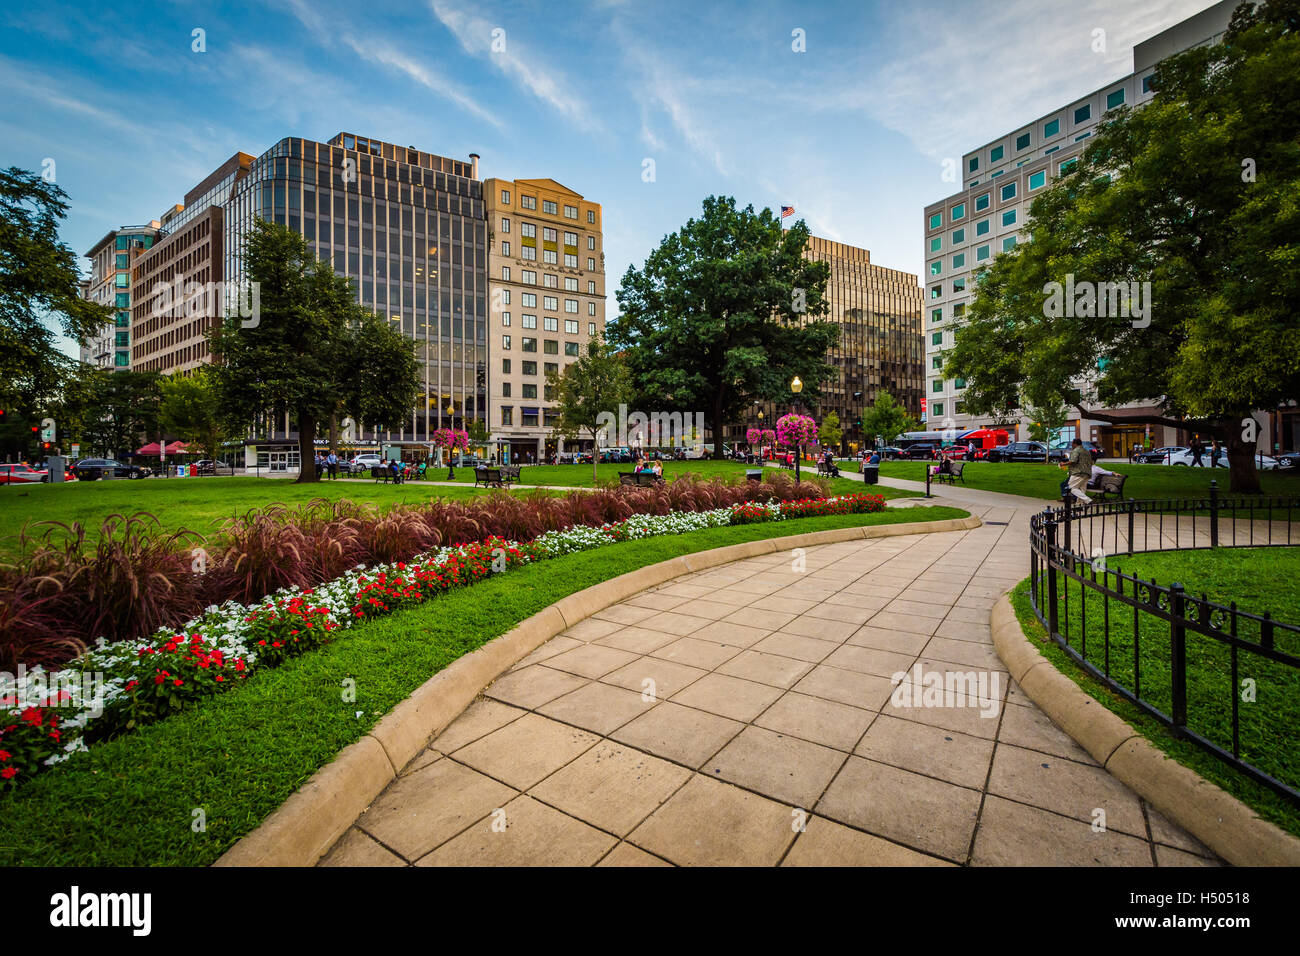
(870, 474)
(754, 474)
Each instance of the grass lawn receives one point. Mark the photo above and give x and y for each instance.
(197, 504)
(571, 476)
(1258, 579)
(1044, 481)
(238, 756)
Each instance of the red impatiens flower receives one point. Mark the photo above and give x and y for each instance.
(5, 755)
(9, 773)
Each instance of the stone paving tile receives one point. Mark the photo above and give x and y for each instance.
(920, 812)
(555, 646)
(968, 653)
(820, 628)
(823, 722)
(589, 629)
(770, 669)
(637, 640)
(1168, 856)
(665, 677)
(611, 786)
(792, 645)
(530, 834)
(479, 719)
(884, 639)
(865, 691)
(1165, 831)
(655, 600)
(898, 621)
(523, 752)
(710, 823)
(1012, 834)
(420, 811)
(532, 686)
(827, 843)
(707, 608)
(955, 630)
(681, 734)
(591, 660)
(1063, 786)
(624, 614)
(729, 632)
(847, 613)
(671, 622)
(933, 751)
(730, 697)
(600, 708)
(625, 854)
(1030, 728)
(965, 720)
(784, 768)
(356, 848)
(697, 653)
(870, 660)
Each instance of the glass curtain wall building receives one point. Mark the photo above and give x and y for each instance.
(409, 229)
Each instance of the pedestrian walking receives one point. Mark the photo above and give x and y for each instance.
(1079, 467)
(1215, 452)
(1197, 449)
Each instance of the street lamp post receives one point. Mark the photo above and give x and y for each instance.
(796, 387)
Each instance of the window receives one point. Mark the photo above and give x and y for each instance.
(936, 291)
(959, 260)
(1009, 217)
(505, 197)
(959, 309)
(571, 306)
(981, 253)
(958, 212)
(528, 230)
(528, 368)
(530, 418)
(528, 202)
(936, 243)
(530, 345)
(529, 277)
(1008, 191)
(505, 225)
(551, 323)
(1008, 243)
(1051, 128)
(507, 415)
(591, 286)
(1082, 114)
(995, 154)
(959, 383)
(548, 234)
(570, 238)
(549, 257)
(570, 261)
(528, 321)
(505, 296)
(591, 328)
(958, 236)
(571, 327)
(122, 261)
(570, 284)
(936, 408)
(591, 264)
(505, 273)
(959, 285)
(982, 227)
(997, 174)
(936, 220)
(505, 366)
(548, 206)
(530, 390)
(1115, 98)
(551, 347)
(936, 267)
(958, 408)
(505, 319)
(1147, 81)
(937, 386)
(528, 300)
(1022, 141)
(505, 248)
(936, 338)
(505, 342)
(550, 280)
(552, 368)
(591, 215)
(591, 242)
(570, 212)
(981, 202)
(122, 280)
(936, 315)
(570, 348)
(974, 164)
(1068, 165)
(123, 300)
(505, 390)
(936, 363)
(529, 253)
(550, 303)
(123, 320)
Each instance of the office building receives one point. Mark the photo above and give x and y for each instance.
(111, 260)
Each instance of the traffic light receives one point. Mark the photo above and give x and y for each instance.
(3, 419)
(36, 429)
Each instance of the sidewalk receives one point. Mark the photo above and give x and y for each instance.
(746, 715)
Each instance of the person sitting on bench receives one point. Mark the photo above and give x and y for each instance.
(1097, 472)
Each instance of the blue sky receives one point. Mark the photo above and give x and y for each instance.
(852, 132)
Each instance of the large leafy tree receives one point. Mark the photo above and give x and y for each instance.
(191, 410)
(310, 350)
(886, 418)
(123, 411)
(723, 313)
(39, 281)
(1198, 193)
(589, 388)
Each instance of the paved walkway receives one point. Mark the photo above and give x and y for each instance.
(746, 715)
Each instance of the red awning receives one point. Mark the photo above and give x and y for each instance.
(151, 450)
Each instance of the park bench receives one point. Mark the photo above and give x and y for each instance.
(488, 478)
(1108, 486)
(952, 473)
(639, 479)
(829, 470)
(380, 473)
(510, 473)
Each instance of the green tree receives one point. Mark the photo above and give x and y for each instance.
(477, 430)
(123, 411)
(721, 315)
(39, 282)
(886, 418)
(191, 410)
(588, 391)
(310, 350)
(1046, 423)
(1194, 193)
(830, 433)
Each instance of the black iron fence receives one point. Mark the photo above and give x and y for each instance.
(1225, 678)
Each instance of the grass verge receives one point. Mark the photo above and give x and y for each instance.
(237, 757)
(1263, 801)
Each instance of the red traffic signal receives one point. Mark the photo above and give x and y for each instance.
(36, 429)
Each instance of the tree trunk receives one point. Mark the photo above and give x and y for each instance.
(306, 449)
(334, 432)
(1242, 477)
(595, 459)
(718, 454)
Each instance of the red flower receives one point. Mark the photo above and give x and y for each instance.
(5, 755)
(178, 682)
(9, 773)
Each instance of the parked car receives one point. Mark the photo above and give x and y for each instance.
(924, 449)
(1184, 458)
(1157, 456)
(1025, 451)
(890, 453)
(20, 474)
(1097, 451)
(362, 463)
(93, 469)
(206, 466)
(1288, 459)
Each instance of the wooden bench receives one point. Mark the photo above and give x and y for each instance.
(488, 478)
(639, 479)
(380, 473)
(1107, 486)
(831, 471)
(510, 473)
(952, 473)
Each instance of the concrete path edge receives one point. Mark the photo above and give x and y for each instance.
(1212, 815)
(316, 815)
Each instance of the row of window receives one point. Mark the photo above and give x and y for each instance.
(529, 231)
(1082, 114)
(548, 206)
(529, 416)
(549, 256)
(528, 391)
(529, 368)
(550, 323)
(549, 281)
(549, 346)
(1007, 193)
(549, 302)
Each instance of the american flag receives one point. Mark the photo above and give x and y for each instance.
(787, 211)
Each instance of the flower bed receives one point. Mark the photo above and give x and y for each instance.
(143, 680)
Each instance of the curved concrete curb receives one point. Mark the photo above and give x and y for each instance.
(1212, 815)
(306, 825)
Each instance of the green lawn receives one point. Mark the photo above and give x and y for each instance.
(1044, 481)
(238, 756)
(198, 504)
(1258, 579)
